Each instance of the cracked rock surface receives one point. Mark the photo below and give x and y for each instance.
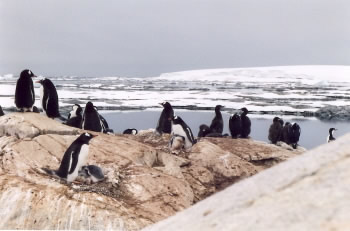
(144, 182)
(309, 192)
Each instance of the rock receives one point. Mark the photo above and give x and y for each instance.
(333, 113)
(309, 192)
(144, 183)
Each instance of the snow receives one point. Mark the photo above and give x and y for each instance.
(275, 89)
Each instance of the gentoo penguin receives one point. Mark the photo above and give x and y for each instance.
(49, 98)
(132, 131)
(105, 125)
(217, 124)
(164, 122)
(73, 159)
(330, 137)
(235, 125)
(176, 143)
(91, 119)
(1, 111)
(180, 128)
(285, 132)
(275, 130)
(204, 130)
(24, 95)
(246, 124)
(91, 173)
(75, 118)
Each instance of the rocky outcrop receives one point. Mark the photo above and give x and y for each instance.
(144, 183)
(309, 192)
(333, 113)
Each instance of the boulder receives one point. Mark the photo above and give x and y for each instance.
(144, 182)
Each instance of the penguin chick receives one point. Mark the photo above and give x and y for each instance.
(92, 173)
(176, 143)
(217, 124)
(275, 130)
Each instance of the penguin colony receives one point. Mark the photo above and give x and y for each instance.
(74, 160)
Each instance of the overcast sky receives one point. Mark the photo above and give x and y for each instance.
(148, 37)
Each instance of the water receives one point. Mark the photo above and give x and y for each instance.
(313, 131)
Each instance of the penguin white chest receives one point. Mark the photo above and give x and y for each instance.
(43, 104)
(179, 131)
(82, 159)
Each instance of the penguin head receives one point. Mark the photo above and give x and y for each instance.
(46, 83)
(166, 104)
(77, 109)
(89, 107)
(134, 131)
(244, 111)
(27, 74)
(218, 108)
(85, 137)
(331, 131)
(276, 119)
(234, 116)
(177, 120)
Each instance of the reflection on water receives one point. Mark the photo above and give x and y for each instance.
(313, 132)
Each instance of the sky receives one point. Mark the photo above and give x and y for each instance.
(143, 38)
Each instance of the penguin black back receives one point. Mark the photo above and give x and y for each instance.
(24, 93)
(294, 134)
(246, 123)
(217, 124)
(131, 131)
(49, 98)
(285, 133)
(91, 119)
(1, 111)
(235, 125)
(275, 130)
(164, 122)
(330, 137)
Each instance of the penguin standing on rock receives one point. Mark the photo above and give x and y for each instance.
(75, 118)
(294, 135)
(92, 119)
(73, 159)
(330, 137)
(235, 125)
(217, 124)
(24, 94)
(181, 129)
(49, 98)
(164, 122)
(246, 124)
(275, 130)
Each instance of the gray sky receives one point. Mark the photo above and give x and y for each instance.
(149, 37)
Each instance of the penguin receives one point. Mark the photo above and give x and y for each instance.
(294, 135)
(105, 125)
(204, 130)
(180, 128)
(49, 98)
(24, 93)
(75, 118)
(92, 119)
(217, 124)
(92, 173)
(285, 132)
(1, 111)
(73, 159)
(235, 125)
(246, 124)
(132, 131)
(275, 130)
(176, 143)
(164, 122)
(330, 137)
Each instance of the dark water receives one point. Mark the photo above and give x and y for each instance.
(313, 132)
